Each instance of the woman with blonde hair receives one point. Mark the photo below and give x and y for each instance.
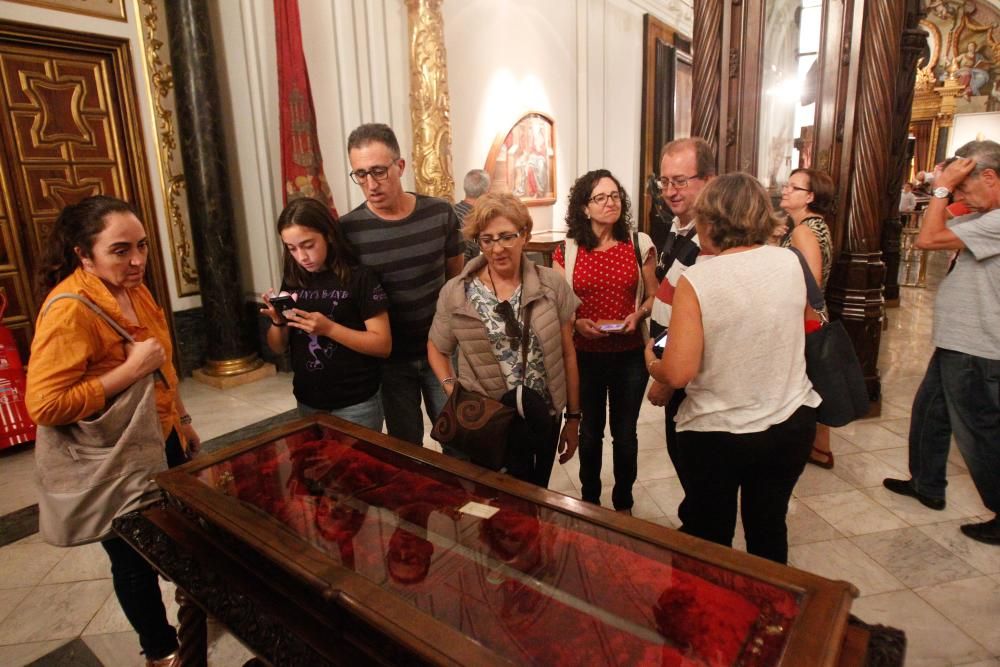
(737, 343)
(482, 312)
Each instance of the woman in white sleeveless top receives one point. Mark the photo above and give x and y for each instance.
(737, 343)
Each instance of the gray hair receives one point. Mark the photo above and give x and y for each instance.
(476, 183)
(985, 153)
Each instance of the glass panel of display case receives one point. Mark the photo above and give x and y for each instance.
(533, 584)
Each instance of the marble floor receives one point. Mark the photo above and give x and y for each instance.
(913, 567)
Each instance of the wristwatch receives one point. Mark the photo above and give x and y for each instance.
(942, 193)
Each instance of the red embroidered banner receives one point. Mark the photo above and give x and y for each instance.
(301, 162)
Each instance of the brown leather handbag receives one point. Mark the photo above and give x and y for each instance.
(477, 425)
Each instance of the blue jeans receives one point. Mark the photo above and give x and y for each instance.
(403, 384)
(615, 380)
(367, 413)
(972, 393)
(930, 433)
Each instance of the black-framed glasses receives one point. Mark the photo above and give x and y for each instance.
(789, 186)
(506, 240)
(512, 328)
(679, 182)
(359, 176)
(605, 197)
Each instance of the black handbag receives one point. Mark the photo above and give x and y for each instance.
(479, 426)
(831, 363)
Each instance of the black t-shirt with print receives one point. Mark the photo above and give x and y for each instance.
(328, 375)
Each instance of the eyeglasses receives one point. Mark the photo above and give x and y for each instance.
(512, 328)
(679, 182)
(506, 240)
(604, 198)
(789, 186)
(359, 176)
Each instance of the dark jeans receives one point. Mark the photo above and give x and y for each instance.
(612, 382)
(533, 461)
(403, 384)
(137, 587)
(972, 392)
(761, 467)
(930, 433)
(673, 405)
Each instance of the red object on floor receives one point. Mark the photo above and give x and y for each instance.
(16, 426)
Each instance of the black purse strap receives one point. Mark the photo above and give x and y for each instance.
(813, 293)
(525, 335)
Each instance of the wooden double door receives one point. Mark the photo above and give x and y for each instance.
(69, 129)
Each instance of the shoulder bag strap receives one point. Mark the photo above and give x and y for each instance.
(525, 335)
(104, 316)
(94, 307)
(813, 293)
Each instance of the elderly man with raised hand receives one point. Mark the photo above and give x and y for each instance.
(413, 243)
(965, 366)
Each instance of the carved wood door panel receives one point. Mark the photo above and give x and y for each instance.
(69, 130)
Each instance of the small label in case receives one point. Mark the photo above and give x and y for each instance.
(478, 509)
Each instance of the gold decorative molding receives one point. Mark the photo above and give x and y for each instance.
(105, 9)
(160, 95)
(429, 101)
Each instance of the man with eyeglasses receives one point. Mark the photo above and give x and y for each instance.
(964, 370)
(686, 166)
(413, 243)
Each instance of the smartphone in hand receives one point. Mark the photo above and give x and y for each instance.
(282, 303)
(610, 326)
(660, 344)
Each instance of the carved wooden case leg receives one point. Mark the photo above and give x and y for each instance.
(192, 633)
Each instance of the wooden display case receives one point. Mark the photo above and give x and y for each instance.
(321, 542)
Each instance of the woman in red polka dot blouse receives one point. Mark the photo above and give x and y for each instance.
(601, 263)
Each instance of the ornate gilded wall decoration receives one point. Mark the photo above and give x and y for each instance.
(108, 9)
(429, 102)
(172, 183)
(963, 45)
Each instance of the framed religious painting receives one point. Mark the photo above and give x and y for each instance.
(522, 160)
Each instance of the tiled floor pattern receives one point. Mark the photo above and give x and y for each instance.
(914, 569)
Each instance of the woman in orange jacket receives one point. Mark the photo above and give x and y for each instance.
(79, 364)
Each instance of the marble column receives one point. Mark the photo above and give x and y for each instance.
(230, 351)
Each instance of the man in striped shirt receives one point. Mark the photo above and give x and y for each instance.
(413, 243)
(686, 167)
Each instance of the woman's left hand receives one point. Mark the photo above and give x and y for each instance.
(311, 323)
(569, 439)
(632, 322)
(189, 435)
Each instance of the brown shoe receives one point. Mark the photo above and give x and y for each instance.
(172, 660)
(820, 458)
(626, 512)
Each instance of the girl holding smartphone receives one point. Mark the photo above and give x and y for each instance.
(338, 328)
